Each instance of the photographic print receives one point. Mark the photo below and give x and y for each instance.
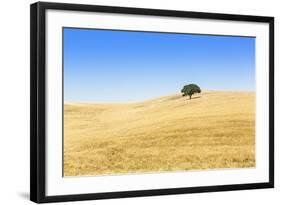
(133, 102)
(145, 102)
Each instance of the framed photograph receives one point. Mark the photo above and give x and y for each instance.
(129, 102)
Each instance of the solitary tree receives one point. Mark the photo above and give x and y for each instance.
(190, 90)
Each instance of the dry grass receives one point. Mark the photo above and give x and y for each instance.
(214, 130)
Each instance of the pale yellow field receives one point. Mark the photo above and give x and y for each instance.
(213, 130)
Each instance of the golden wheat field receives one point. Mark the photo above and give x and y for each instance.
(215, 129)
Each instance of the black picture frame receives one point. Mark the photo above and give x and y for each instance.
(38, 103)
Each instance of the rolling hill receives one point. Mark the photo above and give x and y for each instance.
(215, 129)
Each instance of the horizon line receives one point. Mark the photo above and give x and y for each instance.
(148, 99)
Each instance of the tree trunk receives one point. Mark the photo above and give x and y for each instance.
(190, 97)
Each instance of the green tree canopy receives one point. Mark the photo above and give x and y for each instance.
(190, 90)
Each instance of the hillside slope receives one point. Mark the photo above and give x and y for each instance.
(213, 130)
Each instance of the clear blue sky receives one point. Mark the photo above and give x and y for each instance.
(125, 66)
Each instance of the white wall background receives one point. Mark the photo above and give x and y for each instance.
(14, 100)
